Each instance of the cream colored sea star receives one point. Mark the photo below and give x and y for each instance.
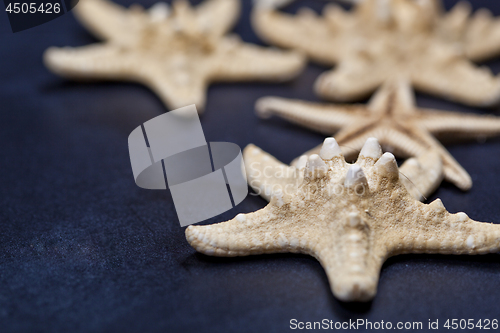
(351, 218)
(392, 117)
(381, 39)
(175, 52)
(266, 175)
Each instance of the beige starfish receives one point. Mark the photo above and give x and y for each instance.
(175, 52)
(392, 117)
(266, 175)
(381, 39)
(351, 218)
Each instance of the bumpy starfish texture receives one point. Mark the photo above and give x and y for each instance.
(351, 218)
(176, 52)
(392, 117)
(267, 176)
(381, 39)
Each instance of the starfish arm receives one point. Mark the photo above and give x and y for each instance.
(218, 16)
(107, 20)
(482, 36)
(247, 234)
(422, 175)
(266, 175)
(455, 124)
(393, 97)
(353, 79)
(176, 87)
(351, 257)
(434, 230)
(353, 275)
(324, 118)
(241, 61)
(97, 61)
(451, 25)
(305, 32)
(416, 142)
(456, 78)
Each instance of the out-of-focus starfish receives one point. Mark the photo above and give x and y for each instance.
(381, 39)
(176, 52)
(351, 218)
(266, 175)
(392, 117)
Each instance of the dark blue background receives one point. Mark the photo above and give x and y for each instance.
(82, 248)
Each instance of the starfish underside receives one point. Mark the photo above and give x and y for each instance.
(392, 117)
(378, 40)
(351, 218)
(175, 52)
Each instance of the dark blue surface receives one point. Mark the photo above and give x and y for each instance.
(82, 248)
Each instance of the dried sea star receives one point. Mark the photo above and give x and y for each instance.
(351, 218)
(176, 52)
(379, 40)
(392, 117)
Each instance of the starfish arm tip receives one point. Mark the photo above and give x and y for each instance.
(458, 176)
(264, 106)
(50, 58)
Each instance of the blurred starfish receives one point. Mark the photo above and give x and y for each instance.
(351, 218)
(392, 117)
(381, 39)
(176, 52)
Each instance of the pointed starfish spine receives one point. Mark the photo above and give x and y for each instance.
(330, 149)
(370, 152)
(387, 167)
(355, 178)
(315, 167)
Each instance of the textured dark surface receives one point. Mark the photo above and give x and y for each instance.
(82, 248)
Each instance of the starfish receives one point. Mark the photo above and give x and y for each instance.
(379, 40)
(176, 52)
(392, 117)
(351, 217)
(266, 175)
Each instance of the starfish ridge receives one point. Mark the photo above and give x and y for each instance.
(351, 218)
(379, 40)
(266, 175)
(176, 52)
(392, 117)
